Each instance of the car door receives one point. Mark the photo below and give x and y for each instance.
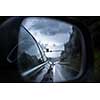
(32, 62)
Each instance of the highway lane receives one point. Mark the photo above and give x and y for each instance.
(63, 72)
(57, 72)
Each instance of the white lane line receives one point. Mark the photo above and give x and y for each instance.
(53, 73)
(58, 72)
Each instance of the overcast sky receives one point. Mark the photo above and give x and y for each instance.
(52, 34)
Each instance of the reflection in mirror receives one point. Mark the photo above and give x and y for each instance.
(52, 45)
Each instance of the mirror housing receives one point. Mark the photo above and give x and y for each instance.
(87, 66)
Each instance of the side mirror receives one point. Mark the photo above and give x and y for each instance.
(52, 49)
(63, 44)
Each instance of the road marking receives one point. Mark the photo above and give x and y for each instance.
(58, 72)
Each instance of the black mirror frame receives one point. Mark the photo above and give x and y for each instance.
(88, 62)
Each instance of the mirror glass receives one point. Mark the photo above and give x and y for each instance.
(49, 50)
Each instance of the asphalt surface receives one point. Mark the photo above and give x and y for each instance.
(62, 73)
(59, 73)
(54, 72)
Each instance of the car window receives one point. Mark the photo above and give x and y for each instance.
(29, 54)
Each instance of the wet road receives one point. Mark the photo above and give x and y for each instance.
(53, 72)
(62, 73)
(59, 73)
